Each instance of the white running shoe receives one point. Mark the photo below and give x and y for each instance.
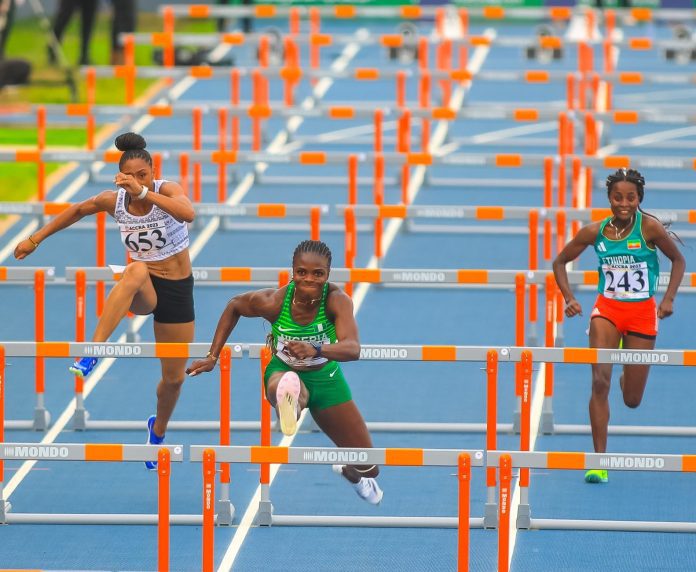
(288, 402)
(368, 490)
(367, 487)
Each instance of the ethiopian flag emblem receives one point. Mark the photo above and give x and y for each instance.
(633, 244)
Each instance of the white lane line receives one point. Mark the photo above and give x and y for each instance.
(358, 298)
(497, 135)
(648, 139)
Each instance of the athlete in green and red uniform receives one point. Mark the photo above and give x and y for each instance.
(625, 312)
(313, 328)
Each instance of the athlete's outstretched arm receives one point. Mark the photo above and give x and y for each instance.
(586, 236)
(256, 304)
(103, 202)
(660, 238)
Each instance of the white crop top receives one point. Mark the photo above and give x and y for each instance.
(154, 236)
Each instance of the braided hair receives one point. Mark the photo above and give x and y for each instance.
(633, 176)
(629, 175)
(312, 246)
(133, 147)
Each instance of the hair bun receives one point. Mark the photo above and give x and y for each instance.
(130, 142)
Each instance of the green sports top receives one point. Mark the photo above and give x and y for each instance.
(628, 267)
(319, 331)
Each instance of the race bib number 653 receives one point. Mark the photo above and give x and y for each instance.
(143, 241)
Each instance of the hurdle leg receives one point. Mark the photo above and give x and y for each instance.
(132, 336)
(42, 417)
(524, 513)
(264, 516)
(4, 505)
(223, 506)
(546, 424)
(490, 512)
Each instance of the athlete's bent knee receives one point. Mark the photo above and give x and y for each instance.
(632, 401)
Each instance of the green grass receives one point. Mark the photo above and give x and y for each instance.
(27, 40)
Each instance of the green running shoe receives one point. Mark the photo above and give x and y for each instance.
(596, 476)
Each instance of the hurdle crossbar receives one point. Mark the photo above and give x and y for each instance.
(9, 274)
(500, 160)
(384, 276)
(214, 39)
(369, 352)
(351, 110)
(391, 73)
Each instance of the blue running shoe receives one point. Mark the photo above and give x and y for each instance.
(83, 366)
(152, 439)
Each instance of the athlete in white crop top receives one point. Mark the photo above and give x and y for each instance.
(152, 216)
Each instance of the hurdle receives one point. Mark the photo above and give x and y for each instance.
(266, 455)
(96, 452)
(38, 277)
(584, 461)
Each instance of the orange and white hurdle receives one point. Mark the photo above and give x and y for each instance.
(266, 455)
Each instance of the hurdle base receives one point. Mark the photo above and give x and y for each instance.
(118, 425)
(225, 512)
(105, 519)
(524, 517)
(490, 515)
(264, 516)
(375, 521)
(5, 508)
(79, 419)
(132, 337)
(42, 419)
(653, 430)
(19, 424)
(612, 525)
(546, 424)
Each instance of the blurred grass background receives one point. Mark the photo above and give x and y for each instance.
(28, 41)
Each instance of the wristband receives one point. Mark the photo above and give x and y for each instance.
(317, 347)
(36, 244)
(142, 194)
(210, 355)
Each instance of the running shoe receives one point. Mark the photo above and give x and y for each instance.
(288, 402)
(368, 490)
(152, 439)
(83, 366)
(367, 487)
(596, 476)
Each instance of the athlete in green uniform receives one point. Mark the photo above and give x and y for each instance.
(625, 312)
(313, 328)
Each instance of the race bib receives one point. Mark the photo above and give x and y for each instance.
(144, 241)
(283, 354)
(626, 281)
